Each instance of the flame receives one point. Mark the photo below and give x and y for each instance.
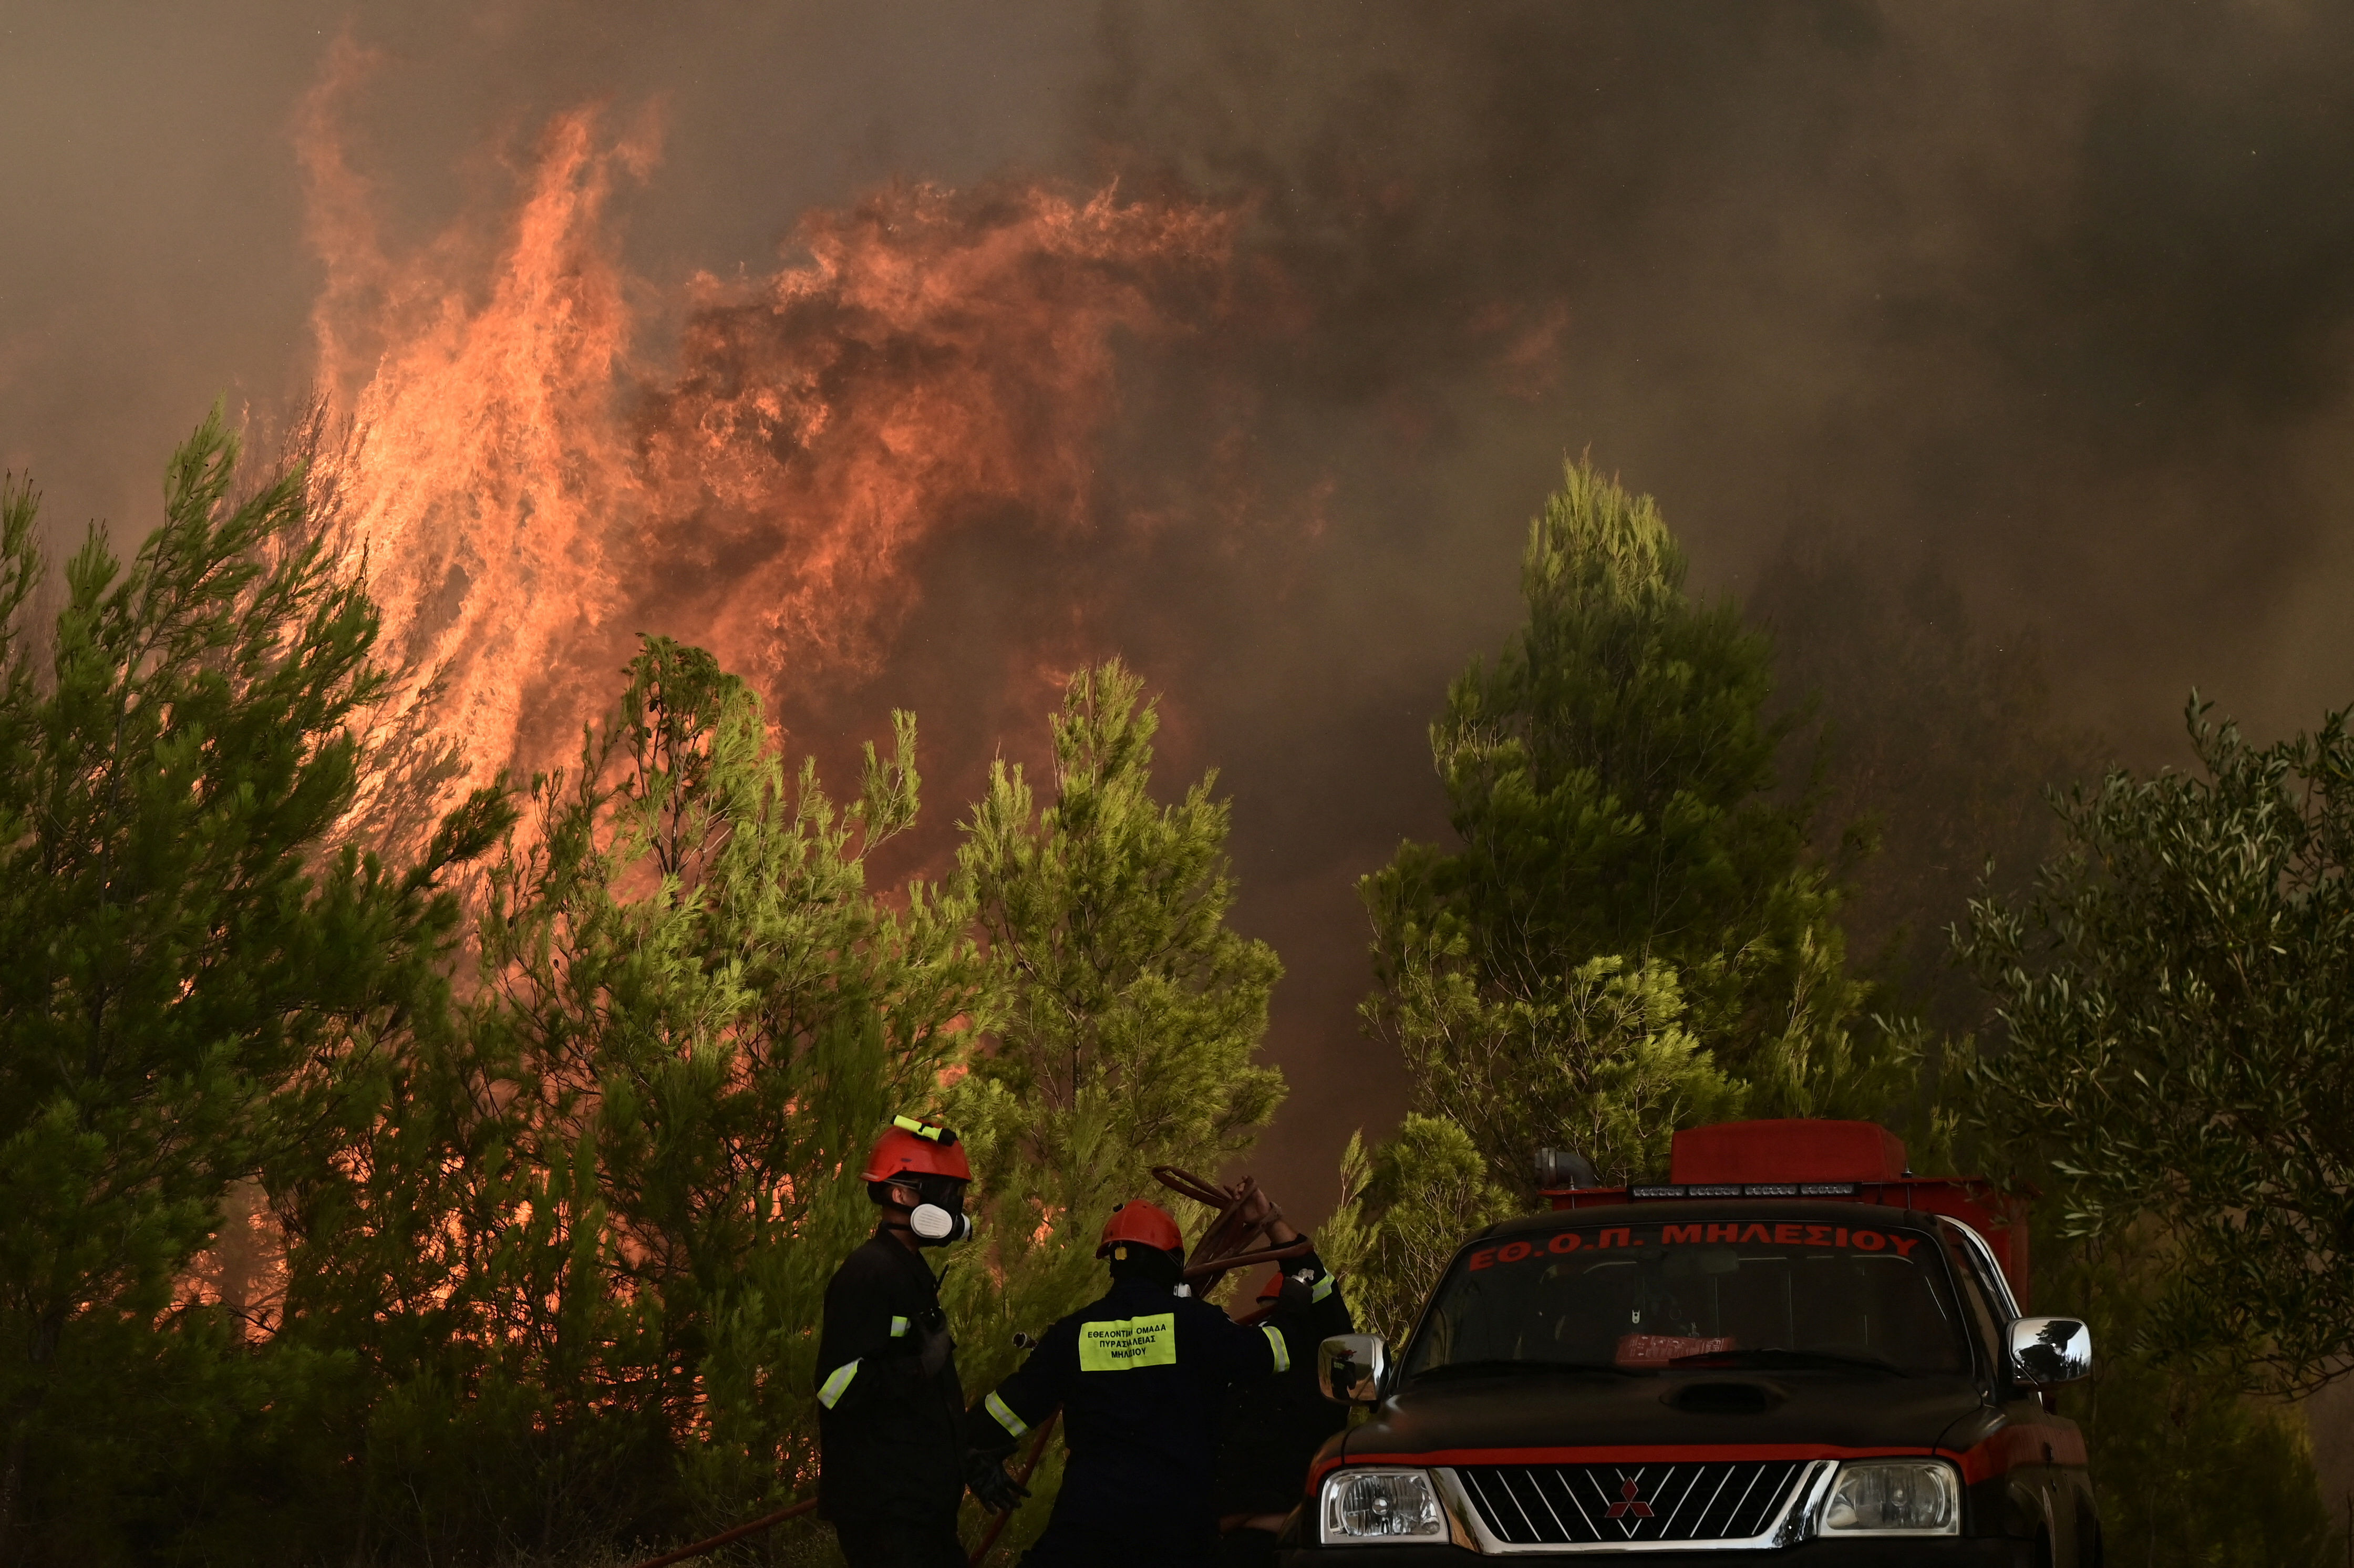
(527, 490)
(937, 353)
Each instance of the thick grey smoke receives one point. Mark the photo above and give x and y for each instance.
(1916, 318)
(2045, 304)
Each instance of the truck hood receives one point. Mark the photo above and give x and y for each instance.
(1506, 1418)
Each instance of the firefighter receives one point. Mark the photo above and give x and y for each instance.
(1271, 1430)
(891, 1459)
(1140, 1377)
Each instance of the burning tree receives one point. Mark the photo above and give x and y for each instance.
(195, 973)
(581, 1243)
(551, 1217)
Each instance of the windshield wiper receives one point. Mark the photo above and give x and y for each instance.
(1772, 1357)
(1493, 1368)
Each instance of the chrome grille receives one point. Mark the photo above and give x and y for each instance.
(1590, 1505)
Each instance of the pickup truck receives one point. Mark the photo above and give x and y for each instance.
(1792, 1352)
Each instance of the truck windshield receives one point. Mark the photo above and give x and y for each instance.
(1632, 1298)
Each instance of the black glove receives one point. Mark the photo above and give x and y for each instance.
(985, 1474)
(1295, 1304)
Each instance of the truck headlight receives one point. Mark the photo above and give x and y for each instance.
(1895, 1496)
(1382, 1505)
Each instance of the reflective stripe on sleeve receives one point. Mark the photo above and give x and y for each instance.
(1013, 1425)
(1282, 1351)
(1324, 1288)
(899, 1328)
(831, 1391)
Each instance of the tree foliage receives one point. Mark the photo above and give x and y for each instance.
(195, 969)
(1629, 934)
(1130, 1013)
(1412, 1200)
(340, 1228)
(1612, 779)
(582, 1246)
(2190, 1471)
(330, 1238)
(2179, 1018)
(1600, 1060)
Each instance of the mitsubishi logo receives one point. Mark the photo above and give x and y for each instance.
(1630, 1504)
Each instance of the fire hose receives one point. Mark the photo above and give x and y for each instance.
(1226, 1244)
(726, 1536)
(1021, 1479)
(988, 1538)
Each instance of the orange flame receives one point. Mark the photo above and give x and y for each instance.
(937, 353)
(527, 494)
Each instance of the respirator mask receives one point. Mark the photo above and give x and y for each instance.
(939, 1218)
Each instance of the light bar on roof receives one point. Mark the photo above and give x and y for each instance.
(1746, 1190)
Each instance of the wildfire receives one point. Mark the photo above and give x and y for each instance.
(531, 486)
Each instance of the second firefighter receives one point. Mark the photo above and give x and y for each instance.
(1141, 1376)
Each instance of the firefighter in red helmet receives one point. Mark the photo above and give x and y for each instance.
(1271, 1430)
(891, 1458)
(1140, 1376)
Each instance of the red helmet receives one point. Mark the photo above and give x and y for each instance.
(912, 1148)
(1137, 1221)
(1274, 1286)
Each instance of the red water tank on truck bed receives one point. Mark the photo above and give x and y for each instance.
(1793, 1351)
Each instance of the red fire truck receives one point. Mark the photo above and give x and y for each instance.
(1794, 1351)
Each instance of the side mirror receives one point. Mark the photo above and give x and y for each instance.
(2049, 1351)
(1350, 1368)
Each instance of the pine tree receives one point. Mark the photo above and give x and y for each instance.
(195, 969)
(586, 1252)
(1612, 779)
(1409, 1203)
(1128, 1013)
(1631, 935)
(1132, 1012)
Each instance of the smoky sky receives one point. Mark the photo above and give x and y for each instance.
(2048, 304)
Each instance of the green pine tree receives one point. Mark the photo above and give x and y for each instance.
(1132, 1012)
(196, 970)
(1629, 934)
(1408, 1204)
(1129, 1014)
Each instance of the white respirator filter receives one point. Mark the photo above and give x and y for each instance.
(933, 1223)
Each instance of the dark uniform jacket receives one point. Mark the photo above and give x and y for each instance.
(1271, 1430)
(1141, 1377)
(889, 1405)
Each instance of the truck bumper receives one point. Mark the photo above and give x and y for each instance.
(1950, 1552)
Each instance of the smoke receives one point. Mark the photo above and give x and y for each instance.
(2044, 307)
(911, 355)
